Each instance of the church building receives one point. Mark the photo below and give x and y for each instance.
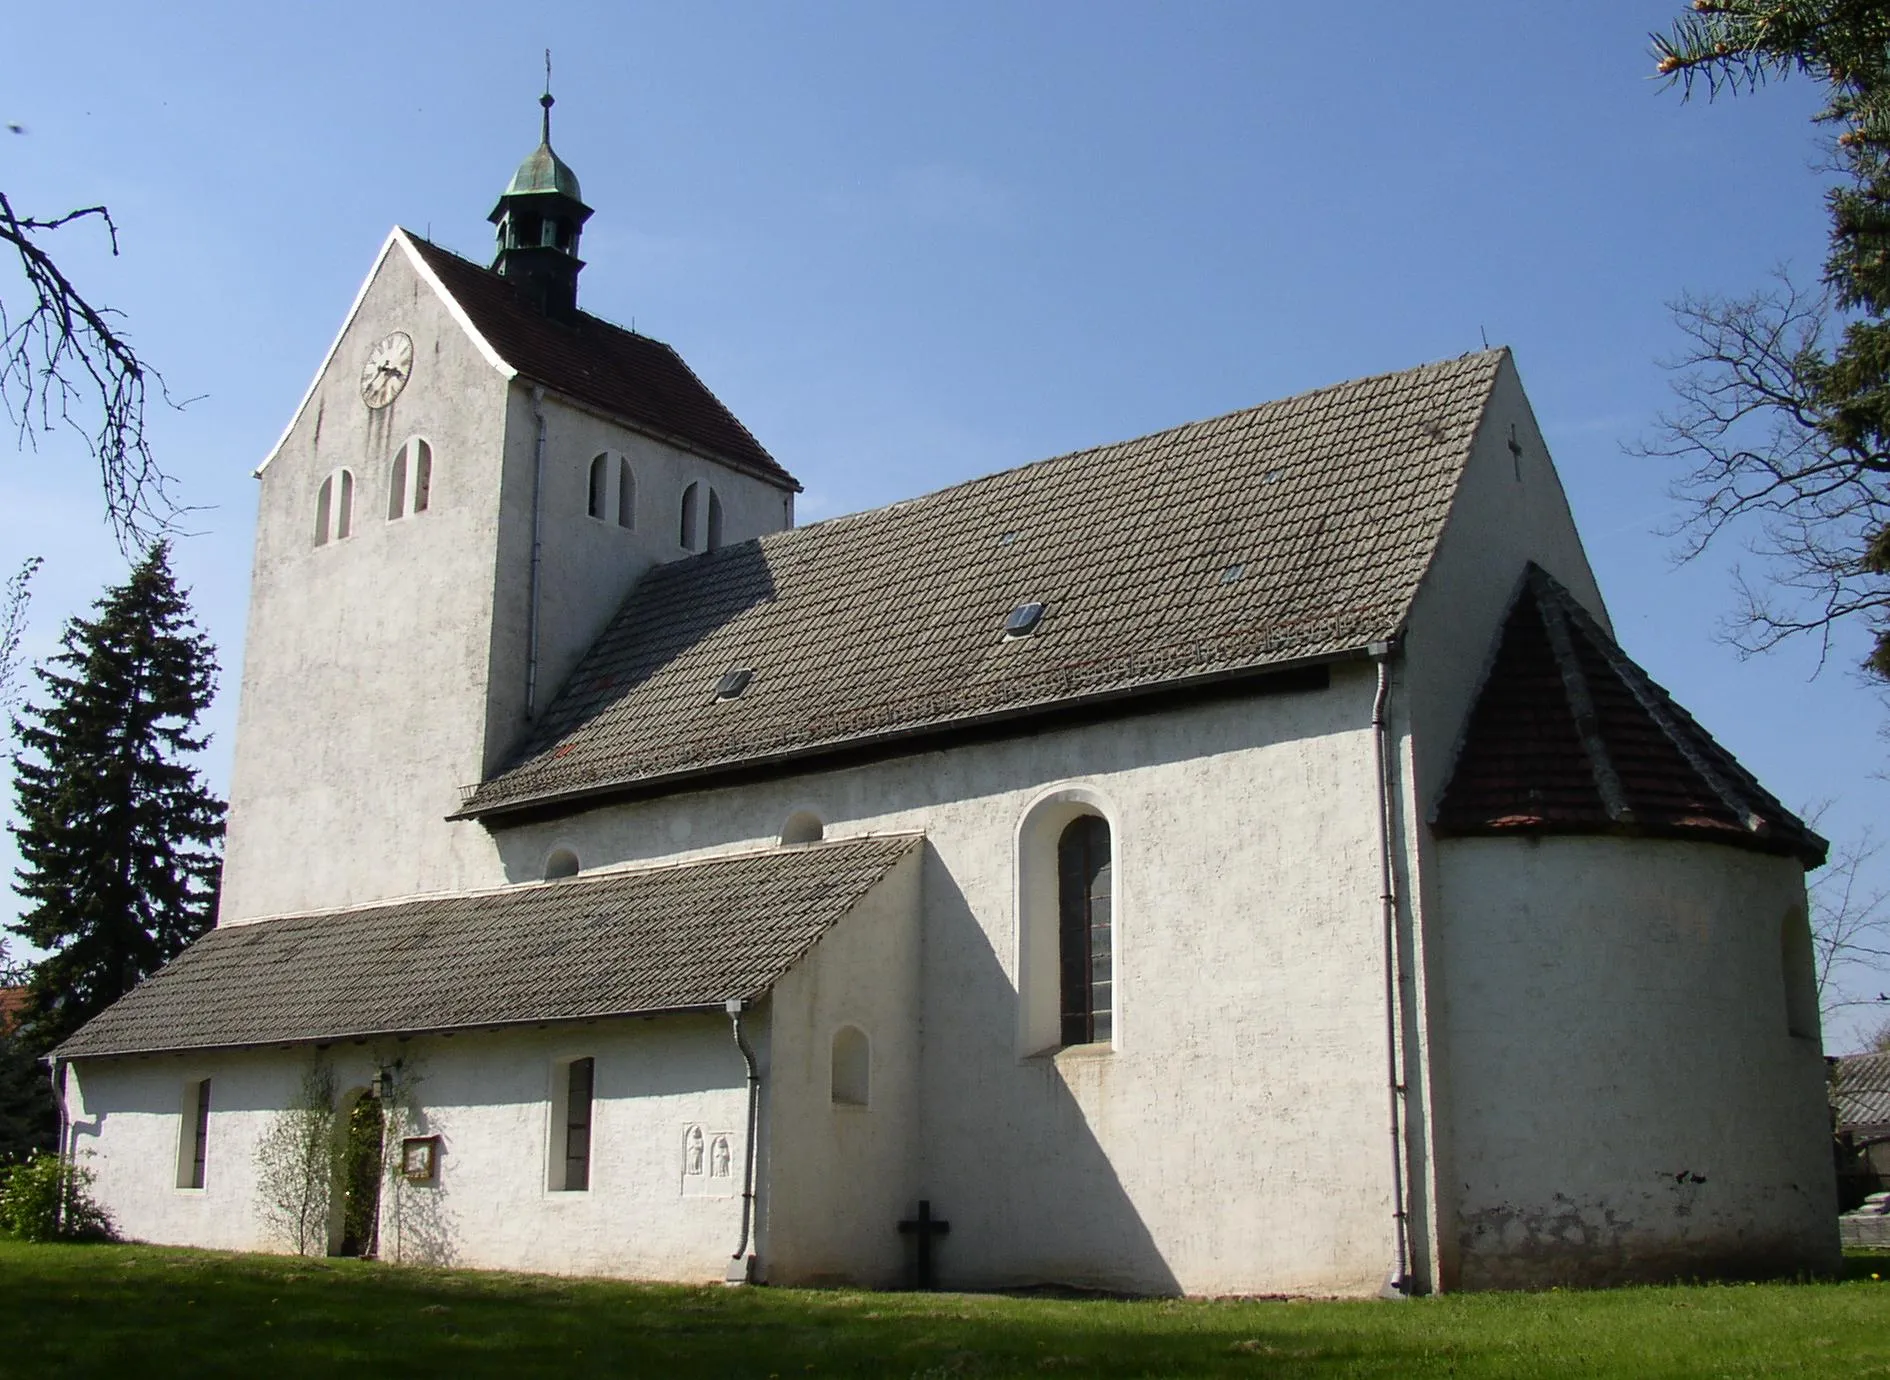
(1239, 859)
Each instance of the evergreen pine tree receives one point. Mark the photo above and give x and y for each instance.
(120, 842)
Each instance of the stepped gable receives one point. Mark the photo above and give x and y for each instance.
(1569, 736)
(585, 357)
(1286, 533)
(683, 937)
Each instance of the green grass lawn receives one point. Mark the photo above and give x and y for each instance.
(136, 1311)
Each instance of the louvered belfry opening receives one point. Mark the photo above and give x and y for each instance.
(1085, 930)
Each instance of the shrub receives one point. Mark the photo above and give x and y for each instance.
(29, 1202)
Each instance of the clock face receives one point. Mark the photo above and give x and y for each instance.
(385, 373)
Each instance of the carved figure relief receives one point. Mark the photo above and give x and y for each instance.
(692, 1151)
(718, 1158)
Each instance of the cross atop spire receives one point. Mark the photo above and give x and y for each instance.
(547, 102)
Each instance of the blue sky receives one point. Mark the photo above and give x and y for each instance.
(909, 245)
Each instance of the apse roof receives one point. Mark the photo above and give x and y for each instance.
(677, 937)
(1277, 535)
(1568, 735)
(585, 357)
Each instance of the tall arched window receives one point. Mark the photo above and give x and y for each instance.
(1084, 931)
(626, 494)
(324, 501)
(688, 532)
(715, 520)
(600, 477)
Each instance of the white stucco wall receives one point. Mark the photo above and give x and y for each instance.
(841, 1177)
(490, 1097)
(385, 670)
(1231, 1139)
(1509, 510)
(1626, 1100)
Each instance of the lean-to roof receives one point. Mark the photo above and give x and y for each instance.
(679, 937)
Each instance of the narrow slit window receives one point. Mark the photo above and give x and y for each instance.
(577, 1126)
(715, 521)
(626, 494)
(422, 476)
(851, 1080)
(344, 508)
(194, 1150)
(1085, 938)
(600, 476)
(397, 487)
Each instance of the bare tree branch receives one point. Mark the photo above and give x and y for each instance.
(65, 361)
(14, 598)
(1850, 929)
(1758, 443)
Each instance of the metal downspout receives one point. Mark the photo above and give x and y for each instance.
(59, 1152)
(538, 549)
(741, 1267)
(1398, 1283)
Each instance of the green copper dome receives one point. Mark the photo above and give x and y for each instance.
(544, 171)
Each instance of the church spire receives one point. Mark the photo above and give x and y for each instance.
(539, 218)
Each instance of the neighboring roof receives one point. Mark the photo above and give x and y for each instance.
(1568, 735)
(12, 1007)
(1860, 1090)
(628, 375)
(1284, 533)
(621, 943)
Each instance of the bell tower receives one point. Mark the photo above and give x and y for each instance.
(539, 218)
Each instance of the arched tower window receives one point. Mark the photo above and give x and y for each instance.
(561, 862)
(688, 532)
(600, 477)
(852, 1067)
(1085, 947)
(626, 494)
(334, 507)
(410, 482)
(715, 520)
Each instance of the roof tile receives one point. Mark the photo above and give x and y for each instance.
(874, 625)
(587, 358)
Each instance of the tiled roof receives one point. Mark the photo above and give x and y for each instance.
(629, 375)
(1860, 1090)
(12, 1007)
(1568, 735)
(655, 939)
(1290, 531)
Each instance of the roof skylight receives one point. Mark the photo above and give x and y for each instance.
(1023, 620)
(733, 682)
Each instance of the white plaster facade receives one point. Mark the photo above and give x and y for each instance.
(1232, 1136)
